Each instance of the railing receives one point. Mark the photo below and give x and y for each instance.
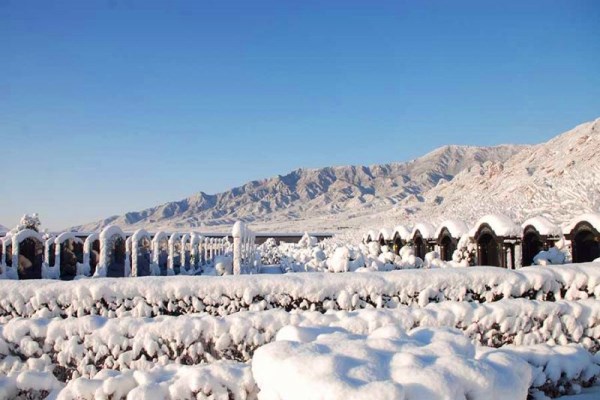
(244, 249)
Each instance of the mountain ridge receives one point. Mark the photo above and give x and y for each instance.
(327, 190)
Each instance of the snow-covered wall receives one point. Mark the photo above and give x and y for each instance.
(152, 296)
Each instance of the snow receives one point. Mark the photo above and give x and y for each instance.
(457, 228)
(543, 226)
(426, 229)
(500, 224)
(403, 232)
(386, 233)
(591, 218)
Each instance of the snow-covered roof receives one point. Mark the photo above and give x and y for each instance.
(592, 218)
(500, 224)
(403, 232)
(457, 228)
(543, 226)
(426, 229)
(372, 234)
(63, 237)
(110, 231)
(25, 234)
(175, 237)
(387, 234)
(160, 236)
(140, 234)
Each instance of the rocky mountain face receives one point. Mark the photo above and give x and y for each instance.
(322, 199)
(559, 179)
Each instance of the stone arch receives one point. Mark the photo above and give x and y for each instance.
(585, 241)
(68, 254)
(419, 245)
(113, 253)
(532, 244)
(174, 254)
(447, 244)
(28, 254)
(141, 253)
(488, 247)
(160, 253)
(91, 253)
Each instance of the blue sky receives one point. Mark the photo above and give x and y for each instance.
(112, 106)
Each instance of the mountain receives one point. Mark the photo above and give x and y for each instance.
(559, 179)
(325, 199)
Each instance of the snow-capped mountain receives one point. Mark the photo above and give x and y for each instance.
(317, 199)
(559, 179)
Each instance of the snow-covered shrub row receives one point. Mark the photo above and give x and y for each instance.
(83, 346)
(220, 380)
(334, 255)
(424, 363)
(177, 295)
(328, 362)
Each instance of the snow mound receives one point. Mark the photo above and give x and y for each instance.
(386, 364)
(543, 226)
(500, 224)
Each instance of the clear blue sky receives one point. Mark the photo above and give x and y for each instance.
(113, 106)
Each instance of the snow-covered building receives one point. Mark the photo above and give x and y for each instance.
(584, 234)
(448, 235)
(385, 237)
(400, 237)
(498, 241)
(539, 234)
(423, 239)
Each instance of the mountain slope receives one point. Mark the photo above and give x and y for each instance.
(314, 198)
(559, 179)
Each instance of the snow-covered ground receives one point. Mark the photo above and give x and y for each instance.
(455, 333)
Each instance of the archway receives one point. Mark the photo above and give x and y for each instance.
(586, 246)
(487, 247)
(446, 248)
(141, 253)
(69, 257)
(30, 258)
(531, 246)
(419, 246)
(116, 257)
(398, 243)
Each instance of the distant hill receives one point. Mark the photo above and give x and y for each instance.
(316, 199)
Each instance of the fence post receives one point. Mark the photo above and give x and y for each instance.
(237, 234)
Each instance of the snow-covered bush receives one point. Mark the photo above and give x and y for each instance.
(465, 254)
(177, 295)
(28, 221)
(269, 252)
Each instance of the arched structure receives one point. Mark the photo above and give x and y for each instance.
(28, 254)
(112, 253)
(195, 243)
(538, 234)
(497, 238)
(174, 254)
(371, 236)
(8, 271)
(160, 253)
(141, 253)
(186, 253)
(385, 237)
(401, 236)
(91, 254)
(69, 251)
(448, 235)
(584, 235)
(423, 239)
